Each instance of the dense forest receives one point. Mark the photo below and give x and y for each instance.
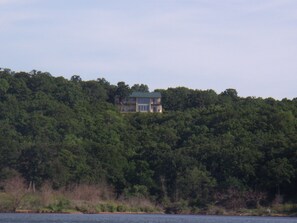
(205, 148)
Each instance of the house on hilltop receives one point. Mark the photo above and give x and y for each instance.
(141, 102)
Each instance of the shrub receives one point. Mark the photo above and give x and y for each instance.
(60, 205)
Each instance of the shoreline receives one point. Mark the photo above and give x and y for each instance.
(76, 212)
(149, 213)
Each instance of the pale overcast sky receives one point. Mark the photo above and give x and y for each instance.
(249, 45)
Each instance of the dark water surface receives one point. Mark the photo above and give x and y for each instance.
(124, 218)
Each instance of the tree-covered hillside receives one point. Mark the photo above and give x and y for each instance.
(206, 148)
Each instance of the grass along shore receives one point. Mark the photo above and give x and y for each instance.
(74, 203)
(66, 202)
(16, 197)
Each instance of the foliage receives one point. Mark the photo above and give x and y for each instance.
(68, 132)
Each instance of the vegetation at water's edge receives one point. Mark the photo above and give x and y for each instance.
(207, 152)
(80, 198)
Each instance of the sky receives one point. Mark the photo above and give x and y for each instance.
(248, 45)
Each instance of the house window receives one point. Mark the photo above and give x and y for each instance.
(143, 108)
(143, 100)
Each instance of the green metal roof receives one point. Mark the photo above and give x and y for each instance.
(137, 94)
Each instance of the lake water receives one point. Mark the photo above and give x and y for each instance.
(122, 218)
